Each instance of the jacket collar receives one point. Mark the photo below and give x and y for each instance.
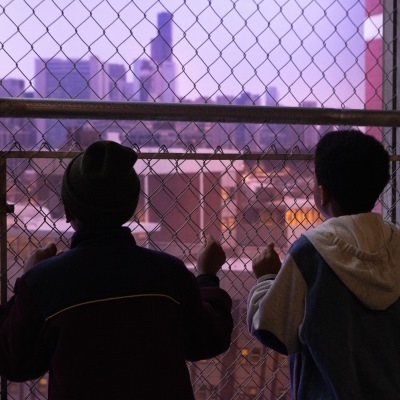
(98, 237)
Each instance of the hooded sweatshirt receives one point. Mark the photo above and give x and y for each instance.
(334, 309)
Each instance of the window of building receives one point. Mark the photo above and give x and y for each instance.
(202, 393)
(255, 355)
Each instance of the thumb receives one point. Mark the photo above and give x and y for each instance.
(209, 240)
(50, 250)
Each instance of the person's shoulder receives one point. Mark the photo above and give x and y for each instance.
(299, 245)
(303, 252)
(47, 269)
(158, 255)
(161, 264)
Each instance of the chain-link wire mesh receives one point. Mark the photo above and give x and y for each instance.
(301, 53)
(293, 53)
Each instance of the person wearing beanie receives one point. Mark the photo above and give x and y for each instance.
(100, 187)
(108, 319)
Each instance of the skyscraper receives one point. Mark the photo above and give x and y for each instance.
(163, 79)
(161, 47)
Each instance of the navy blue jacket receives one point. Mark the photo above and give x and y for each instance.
(112, 320)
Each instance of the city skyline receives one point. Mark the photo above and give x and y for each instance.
(218, 51)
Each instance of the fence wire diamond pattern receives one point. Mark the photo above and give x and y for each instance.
(244, 183)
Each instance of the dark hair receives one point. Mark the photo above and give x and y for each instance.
(353, 168)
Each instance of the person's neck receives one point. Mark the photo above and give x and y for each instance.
(336, 212)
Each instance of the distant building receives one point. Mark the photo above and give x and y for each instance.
(247, 99)
(161, 46)
(67, 79)
(274, 204)
(271, 97)
(155, 77)
(118, 88)
(243, 135)
(12, 87)
(165, 83)
(143, 84)
(70, 79)
(308, 134)
(164, 79)
(16, 132)
(77, 79)
(186, 201)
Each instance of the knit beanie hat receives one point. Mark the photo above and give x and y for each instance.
(100, 186)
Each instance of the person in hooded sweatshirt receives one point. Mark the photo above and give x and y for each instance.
(333, 304)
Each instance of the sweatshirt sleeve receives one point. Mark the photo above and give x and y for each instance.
(22, 356)
(208, 318)
(276, 307)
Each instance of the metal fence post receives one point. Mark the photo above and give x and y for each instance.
(3, 248)
(390, 54)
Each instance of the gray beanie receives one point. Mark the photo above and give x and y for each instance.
(100, 186)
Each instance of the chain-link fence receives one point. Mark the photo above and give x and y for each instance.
(239, 167)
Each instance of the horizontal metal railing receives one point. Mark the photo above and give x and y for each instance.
(88, 110)
(147, 111)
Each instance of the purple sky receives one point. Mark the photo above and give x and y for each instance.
(308, 49)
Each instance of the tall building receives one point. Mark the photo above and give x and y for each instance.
(154, 76)
(161, 46)
(67, 79)
(164, 85)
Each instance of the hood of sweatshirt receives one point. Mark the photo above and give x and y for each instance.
(364, 252)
